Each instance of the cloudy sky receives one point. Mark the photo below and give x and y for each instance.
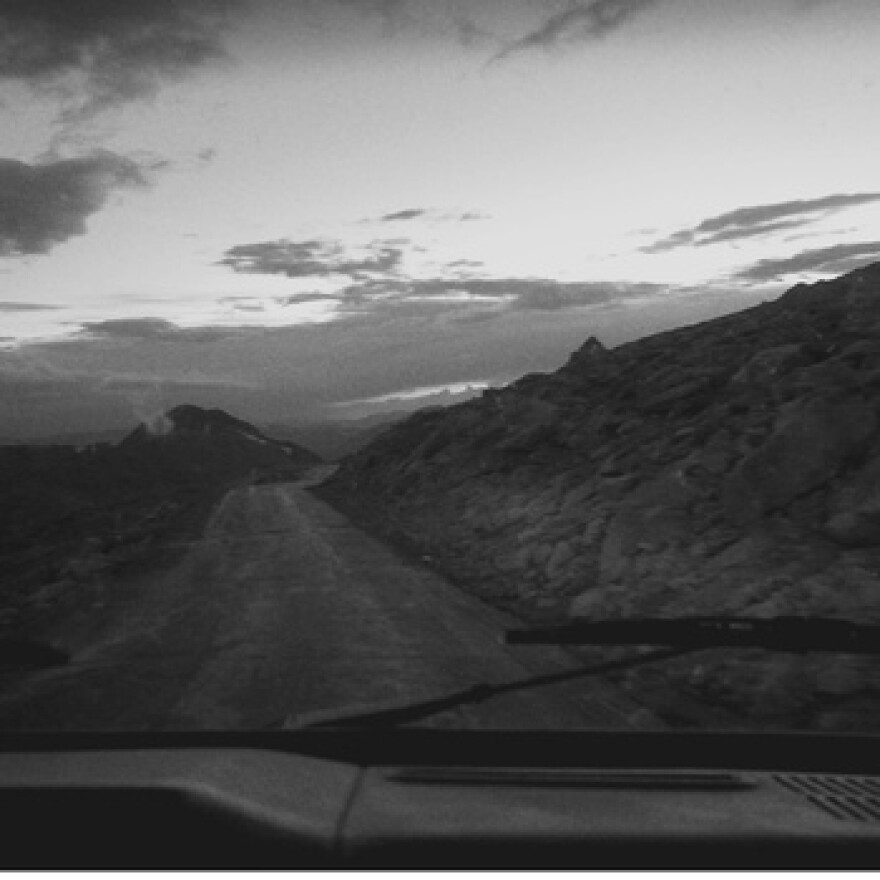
(299, 208)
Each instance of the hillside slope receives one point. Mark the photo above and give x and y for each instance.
(71, 516)
(731, 467)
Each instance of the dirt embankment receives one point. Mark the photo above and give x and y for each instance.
(77, 573)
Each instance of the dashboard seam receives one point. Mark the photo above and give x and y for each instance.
(347, 807)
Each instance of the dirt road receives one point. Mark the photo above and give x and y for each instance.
(285, 613)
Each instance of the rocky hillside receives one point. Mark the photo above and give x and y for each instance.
(729, 468)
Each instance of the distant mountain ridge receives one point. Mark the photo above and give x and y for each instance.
(63, 492)
(191, 419)
(334, 439)
(189, 422)
(74, 438)
(729, 467)
(329, 439)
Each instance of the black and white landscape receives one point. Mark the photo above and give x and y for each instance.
(338, 338)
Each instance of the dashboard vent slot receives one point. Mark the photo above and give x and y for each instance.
(574, 777)
(850, 798)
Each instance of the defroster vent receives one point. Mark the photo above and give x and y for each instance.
(850, 798)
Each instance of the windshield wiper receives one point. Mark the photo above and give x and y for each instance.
(406, 714)
(791, 633)
(678, 636)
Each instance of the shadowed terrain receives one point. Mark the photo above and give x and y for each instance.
(726, 468)
(72, 517)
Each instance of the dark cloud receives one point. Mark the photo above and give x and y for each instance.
(379, 286)
(243, 303)
(152, 329)
(427, 214)
(750, 231)
(94, 55)
(759, 220)
(44, 204)
(577, 23)
(408, 214)
(312, 258)
(131, 328)
(102, 53)
(472, 35)
(26, 307)
(465, 267)
(296, 299)
(835, 259)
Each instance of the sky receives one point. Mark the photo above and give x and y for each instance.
(302, 209)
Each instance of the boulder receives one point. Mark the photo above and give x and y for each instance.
(854, 518)
(811, 442)
(770, 363)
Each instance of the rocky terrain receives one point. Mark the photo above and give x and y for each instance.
(72, 519)
(726, 468)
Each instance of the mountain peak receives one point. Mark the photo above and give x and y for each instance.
(198, 435)
(190, 418)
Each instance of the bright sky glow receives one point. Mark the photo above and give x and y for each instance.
(398, 171)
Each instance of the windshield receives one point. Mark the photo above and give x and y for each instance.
(357, 355)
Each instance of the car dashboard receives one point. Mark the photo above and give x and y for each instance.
(423, 799)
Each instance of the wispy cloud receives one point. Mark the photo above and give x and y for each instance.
(408, 214)
(430, 214)
(430, 295)
(44, 204)
(834, 260)
(311, 258)
(758, 220)
(298, 299)
(578, 23)
(26, 307)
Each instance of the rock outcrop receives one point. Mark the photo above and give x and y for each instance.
(731, 467)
